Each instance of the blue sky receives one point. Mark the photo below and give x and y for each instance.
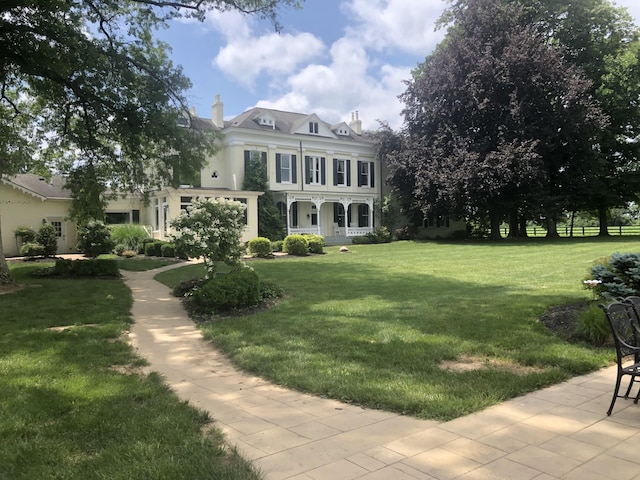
(332, 57)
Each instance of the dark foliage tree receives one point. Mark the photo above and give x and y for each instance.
(85, 82)
(494, 120)
(255, 179)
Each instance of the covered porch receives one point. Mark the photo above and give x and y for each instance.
(333, 217)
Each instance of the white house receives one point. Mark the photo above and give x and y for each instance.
(325, 179)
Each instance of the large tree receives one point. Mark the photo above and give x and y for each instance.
(493, 119)
(85, 82)
(602, 40)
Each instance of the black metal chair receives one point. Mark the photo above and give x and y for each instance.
(634, 300)
(625, 326)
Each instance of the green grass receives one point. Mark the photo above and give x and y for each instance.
(373, 326)
(67, 413)
(139, 264)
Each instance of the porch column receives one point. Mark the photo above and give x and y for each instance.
(289, 202)
(370, 205)
(346, 204)
(318, 202)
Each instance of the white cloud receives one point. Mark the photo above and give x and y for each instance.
(347, 84)
(246, 56)
(406, 25)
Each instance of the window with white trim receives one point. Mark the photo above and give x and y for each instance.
(313, 127)
(315, 170)
(285, 168)
(341, 172)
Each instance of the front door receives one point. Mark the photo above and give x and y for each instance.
(61, 226)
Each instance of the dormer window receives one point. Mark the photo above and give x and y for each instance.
(183, 121)
(343, 131)
(313, 127)
(267, 122)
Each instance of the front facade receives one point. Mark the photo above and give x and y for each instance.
(324, 178)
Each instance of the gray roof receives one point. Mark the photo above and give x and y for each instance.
(38, 186)
(285, 122)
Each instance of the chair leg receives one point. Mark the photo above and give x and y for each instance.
(626, 395)
(615, 394)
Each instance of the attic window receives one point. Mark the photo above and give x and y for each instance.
(268, 122)
(313, 127)
(343, 131)
(183, 122)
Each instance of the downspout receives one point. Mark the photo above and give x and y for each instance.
(301, 168)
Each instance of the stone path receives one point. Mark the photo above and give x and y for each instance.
(561, 432)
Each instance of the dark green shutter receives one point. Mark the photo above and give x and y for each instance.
(348, 168)
(294, 169)
(372, 182)
(278, 168)
(323, 171)
(307, 170)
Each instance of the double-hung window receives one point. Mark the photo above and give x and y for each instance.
(285, 168)
(341, 172)
(365, 174)
(315, 170)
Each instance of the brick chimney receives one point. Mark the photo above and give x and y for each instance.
(217, 112)
(356, 123)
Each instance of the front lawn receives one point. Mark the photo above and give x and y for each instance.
(387, 326)
(71, 405)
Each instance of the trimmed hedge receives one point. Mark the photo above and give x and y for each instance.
(315, 243)
(86, 268)
(168, 250)
(296, 245)
(260, 247)
(228, 291)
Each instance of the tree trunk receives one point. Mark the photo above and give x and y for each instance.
(514, 224)
(552, 228)
(523, 227)
(495, 226)
(5, 276)
(602, 222)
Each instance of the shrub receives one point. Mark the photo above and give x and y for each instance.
(129, 254)
(593, 325)
(188, 287)
(130, 235)
(87, 268)
(277, 246)
(360, 240)
(168, 250)
(47, 237)
(211, 229)
(404, 233)
(296, 245)
(25, 234)
(379, 235)
(619, 275)
(95, 239)
(32, 249)
(228, 291)
(260, 247)
(153, 249)
(315, 243)
(143, 245)
(119, 249)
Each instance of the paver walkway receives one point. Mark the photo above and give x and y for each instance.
(561, 432)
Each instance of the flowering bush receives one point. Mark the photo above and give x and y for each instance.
(211, 229)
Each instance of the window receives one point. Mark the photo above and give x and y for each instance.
(251, 156)
(338, 214)
(293, 215)
(363, 215)
(437, 222)
(314, 216)
(184, 203)
(365, 174)
(315, 170)
(244, 202)
(285, 168)
(313, 127)
(342, 172)
(282, 208)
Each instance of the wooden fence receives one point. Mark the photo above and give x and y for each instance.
(582, 231)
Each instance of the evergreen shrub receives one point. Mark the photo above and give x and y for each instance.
(228, 291)
(315, 243)
(296, 245)
(260, 247)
